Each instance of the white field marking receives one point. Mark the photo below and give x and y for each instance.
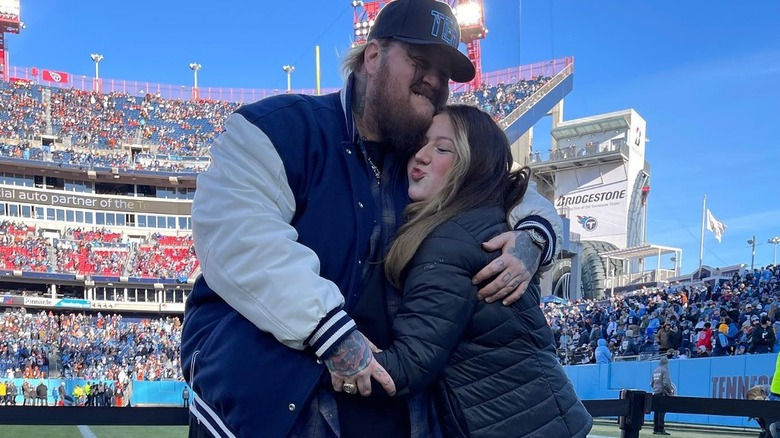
(86, 432)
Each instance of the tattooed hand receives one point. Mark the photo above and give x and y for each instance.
(514, 269)
(353, 362)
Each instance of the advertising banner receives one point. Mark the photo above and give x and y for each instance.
(74, 303)
(54, 76)
(40, 302)
(595, 199)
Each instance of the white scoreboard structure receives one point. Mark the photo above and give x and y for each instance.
(598, 177)
(608, 171)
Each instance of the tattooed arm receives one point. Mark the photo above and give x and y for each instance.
(353, 361)
(521, 258)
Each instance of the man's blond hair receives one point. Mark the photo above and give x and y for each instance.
(354, 59)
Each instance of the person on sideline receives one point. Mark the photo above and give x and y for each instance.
(662, 386)
(769, 426)
(774, 395)
(495, 367)
(185, 397)
(300, 202)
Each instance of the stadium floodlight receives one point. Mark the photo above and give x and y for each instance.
(288, 69)
(97, 58)
(468, 14)
(194, 66)
(752, 242)
(774, 241)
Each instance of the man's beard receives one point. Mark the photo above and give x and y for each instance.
(399, 126)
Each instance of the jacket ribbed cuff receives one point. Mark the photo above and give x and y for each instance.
(543, 226)
(332, 329)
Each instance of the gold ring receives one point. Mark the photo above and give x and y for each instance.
(350, 388)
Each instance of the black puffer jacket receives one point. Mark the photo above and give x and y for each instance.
(493, 367)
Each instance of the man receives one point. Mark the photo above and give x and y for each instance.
(42, 394)
(629, 347)
(603, 354)
(662, 338)
(662, 386)
(774, 395)
(762, 340)
(11, 390)
(704, 340)
(185, 396)
(291, 221)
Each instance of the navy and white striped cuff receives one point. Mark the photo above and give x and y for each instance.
(332, 329)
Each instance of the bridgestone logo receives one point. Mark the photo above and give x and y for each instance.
(567, 201)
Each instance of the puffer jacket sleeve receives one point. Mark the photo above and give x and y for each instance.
(438, 302)
(248, 250)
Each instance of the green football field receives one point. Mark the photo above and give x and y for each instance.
(601, 429)
(94, 431)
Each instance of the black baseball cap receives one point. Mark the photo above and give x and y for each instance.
(425, 22)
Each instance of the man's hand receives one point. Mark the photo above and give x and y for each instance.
(513, 270)
(353, 362)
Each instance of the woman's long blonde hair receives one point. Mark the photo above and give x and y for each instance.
(480, 175)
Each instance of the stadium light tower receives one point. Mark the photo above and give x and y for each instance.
(288, 69)
(194, 66)
(9, 23)
(752, 242)
(97, 58)
(774, 241)
(471, 18)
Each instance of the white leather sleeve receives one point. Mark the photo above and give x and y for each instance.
(247, 248)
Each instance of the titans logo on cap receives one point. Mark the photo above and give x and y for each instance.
(445, 28)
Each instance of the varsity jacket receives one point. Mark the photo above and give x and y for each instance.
(494, 367)
(282, 223)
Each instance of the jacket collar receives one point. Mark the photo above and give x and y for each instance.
(346, 104)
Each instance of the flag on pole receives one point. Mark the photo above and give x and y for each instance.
(717, 227)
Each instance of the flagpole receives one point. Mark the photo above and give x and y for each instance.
(703, 222)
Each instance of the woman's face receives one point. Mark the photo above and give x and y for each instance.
(427, 169)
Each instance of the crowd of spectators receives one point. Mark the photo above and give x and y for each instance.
(87, 346)
(97, 129)
(21, 110)
(21, 249)
(165, 257)
(731, 316)
(96, 252)
(26, 342)
(500, 100)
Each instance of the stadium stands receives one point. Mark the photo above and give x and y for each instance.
(96, 130)
(98, 252)
(144, 132)
(112, 347)
(632, 323)
(86, 346)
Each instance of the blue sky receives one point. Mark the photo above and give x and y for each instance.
(705, 76)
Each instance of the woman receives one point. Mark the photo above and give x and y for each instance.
(491, 369)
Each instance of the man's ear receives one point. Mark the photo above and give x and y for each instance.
(372, 57)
